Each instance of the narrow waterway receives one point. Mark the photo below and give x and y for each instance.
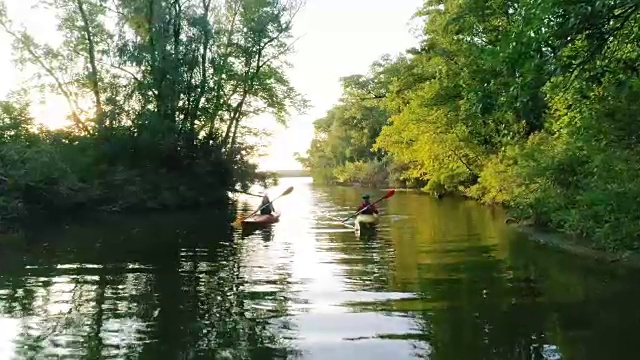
(438, 280)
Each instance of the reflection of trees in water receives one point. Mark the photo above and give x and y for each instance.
(189, 301)
(265, 232)
(592, 308)
(479, 311)
(452, 255)
(368, 263)
(485, 295)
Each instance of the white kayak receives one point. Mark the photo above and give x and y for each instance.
(366, 220)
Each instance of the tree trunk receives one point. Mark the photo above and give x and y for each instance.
(93, 75)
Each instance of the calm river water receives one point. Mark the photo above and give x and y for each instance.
(438, 280)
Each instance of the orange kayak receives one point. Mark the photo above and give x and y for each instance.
(261, 220)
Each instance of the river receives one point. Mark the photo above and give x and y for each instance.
(440, 279)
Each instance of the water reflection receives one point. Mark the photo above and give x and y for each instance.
(437, 279)
(265, 233)
(183, 294)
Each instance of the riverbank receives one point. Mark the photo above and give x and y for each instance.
(554, 238)
(538, 234)
(578, 247)
(162, 203)
(128, 196)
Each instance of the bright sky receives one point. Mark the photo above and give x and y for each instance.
(338, 38)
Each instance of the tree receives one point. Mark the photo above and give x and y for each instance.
(524, 103)
(345, 136)
(162, 86)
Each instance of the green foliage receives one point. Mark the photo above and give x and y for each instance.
(372, 172)
(524, 103)
(342, 149)
(158, 93)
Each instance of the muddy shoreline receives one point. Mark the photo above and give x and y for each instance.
(576, 247)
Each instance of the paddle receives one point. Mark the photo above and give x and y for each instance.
(240, 218)
(389, 194)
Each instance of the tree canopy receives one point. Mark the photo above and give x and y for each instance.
(158, 93)
(525, 103)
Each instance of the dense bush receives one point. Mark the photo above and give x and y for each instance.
(157, 97)
(533, 105)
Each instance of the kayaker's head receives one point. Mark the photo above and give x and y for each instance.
(365, 197)
(265, 198)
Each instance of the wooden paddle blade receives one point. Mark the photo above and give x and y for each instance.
(288, 191)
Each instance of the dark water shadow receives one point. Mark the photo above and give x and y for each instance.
(442, 280)
(149, 287)
(266, 233)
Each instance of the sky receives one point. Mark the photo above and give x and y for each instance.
(336, 38)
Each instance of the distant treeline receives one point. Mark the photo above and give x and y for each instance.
(293, 173)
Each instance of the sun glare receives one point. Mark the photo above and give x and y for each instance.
(336, 38)
(9, 333)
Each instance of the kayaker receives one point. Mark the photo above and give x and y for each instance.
(369, 210)
(266, 210)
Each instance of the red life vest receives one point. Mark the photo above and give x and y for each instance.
(368, 211)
